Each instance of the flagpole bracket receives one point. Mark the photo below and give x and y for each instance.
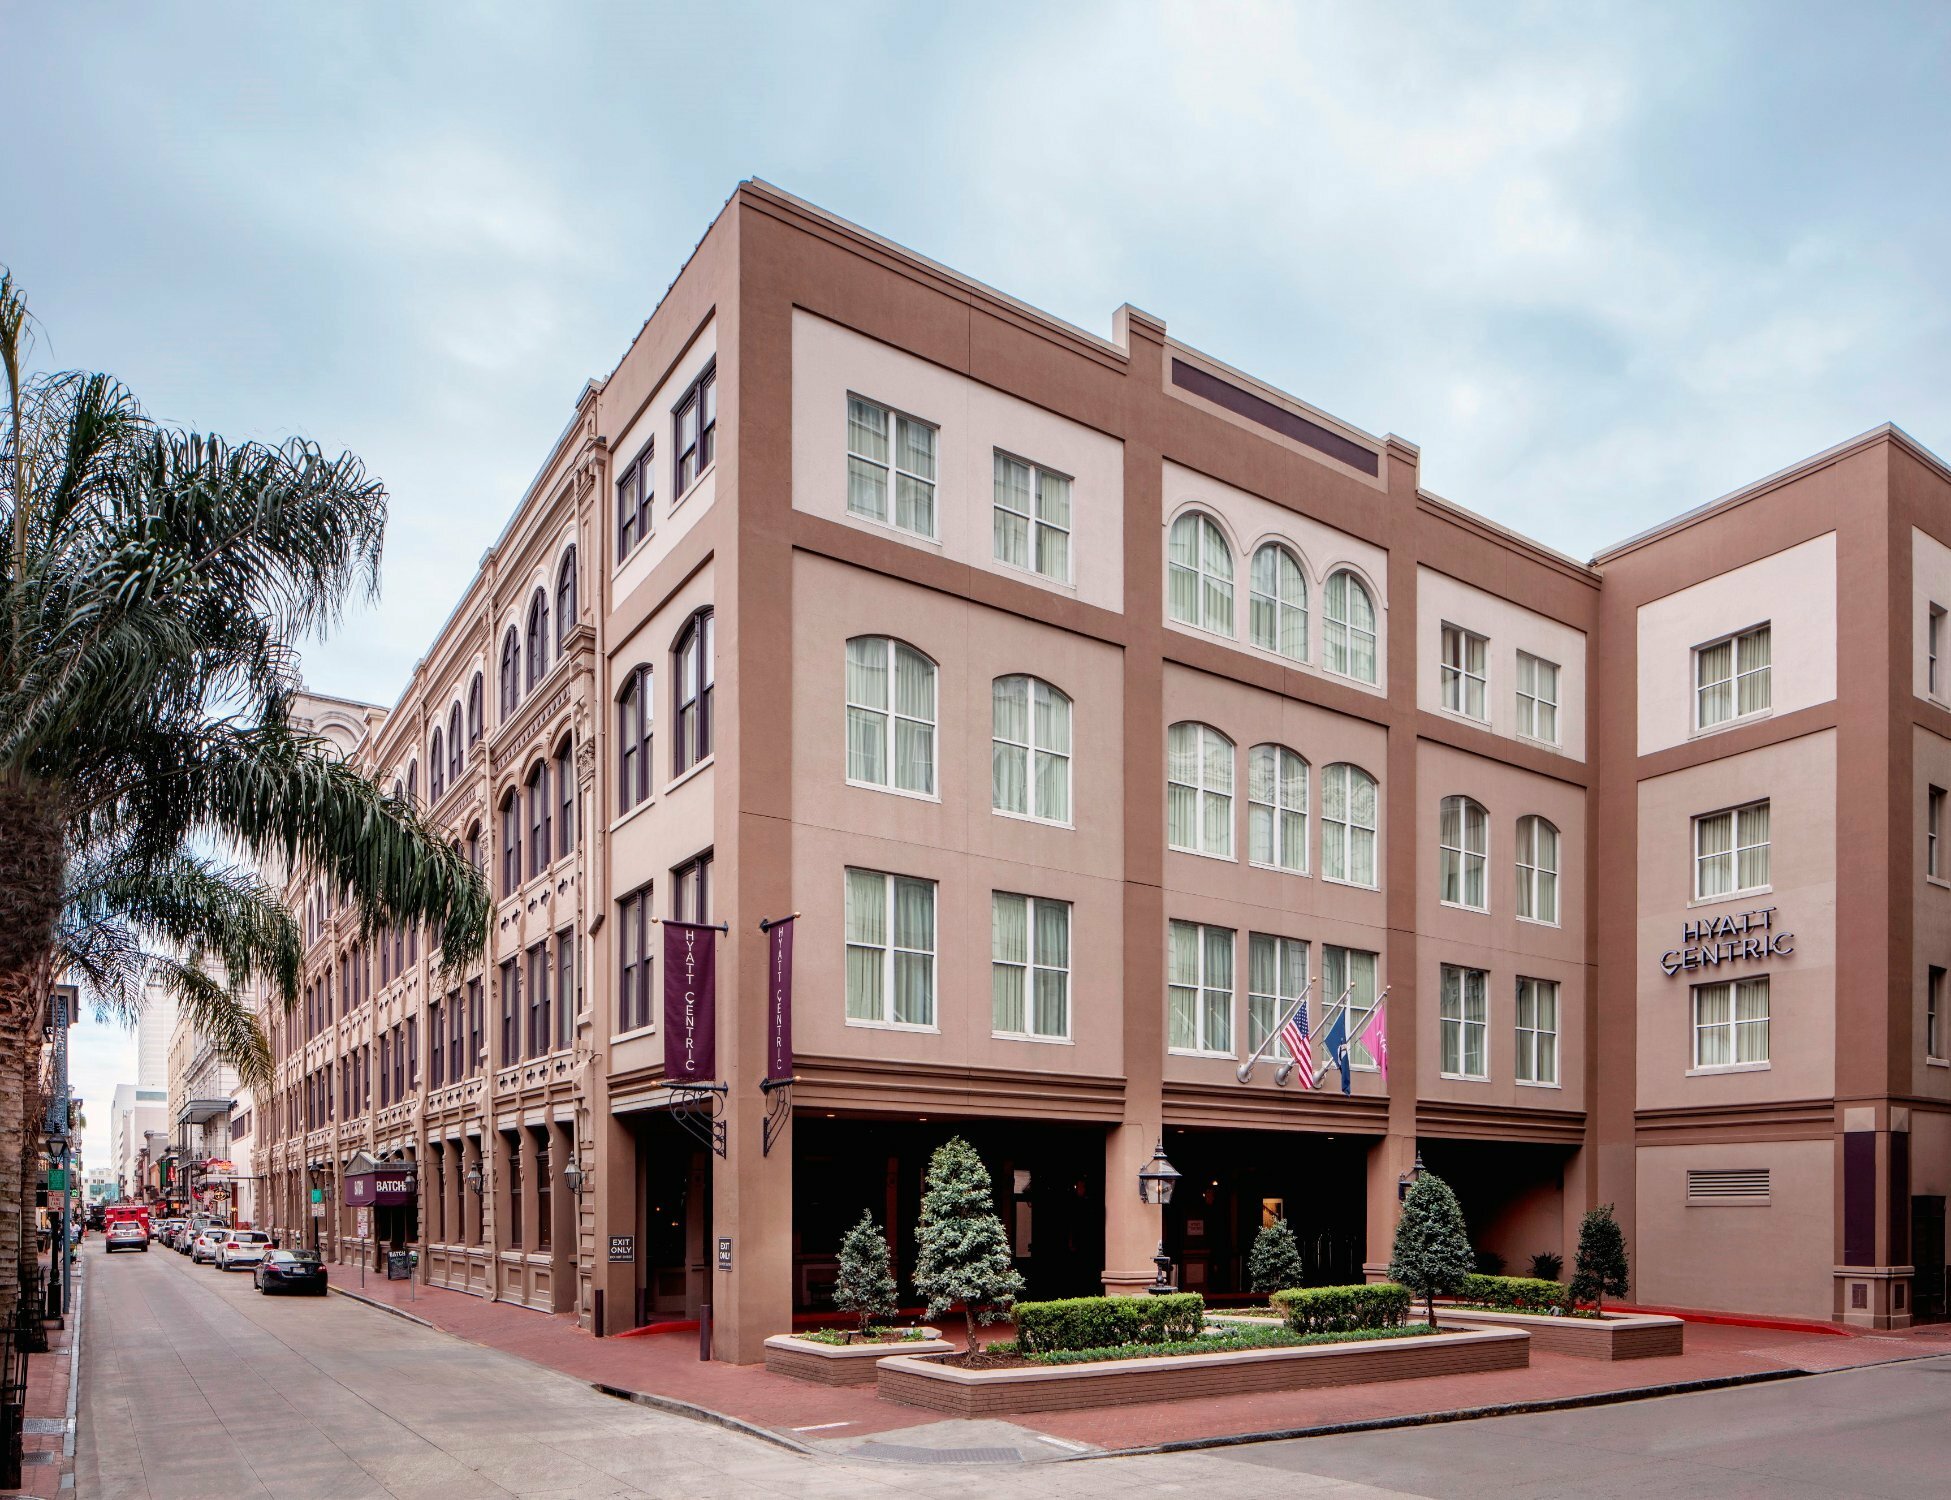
(779, 1109)
(700, 1109)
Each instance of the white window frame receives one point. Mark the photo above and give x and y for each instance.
(1334, 956)
(1535, 993)
(1342, 830)
(1028, 970)
(1736, 989)
(1464, 673)
(890, 718)
(1342, 634)
(1273, 813)
(1733, 852)
(1033, 752)
(1273, 605)
(1462, 1025)
(1202, 990)
(1934, 987)
(1460, 857)
(1203, 796)
(1933, 831)
(890, 949)
(1735, 679)
(1934, 651)
(1264, 1008)
(892, 472)
(1206, 580)
(1534, 876)
(1537, 698)
(1035, 522)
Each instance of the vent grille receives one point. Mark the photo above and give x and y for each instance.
(1728, 1185)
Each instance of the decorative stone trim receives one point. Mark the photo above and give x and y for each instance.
(1614, 1336)
(842, 1364)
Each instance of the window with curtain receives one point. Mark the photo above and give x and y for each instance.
(890, 716)
(1029, 966)
(887, 450)
(1030, 749)
(540, 845)
(436, 768)
(1465, 1023)
(1731, 851)
(1537, 1031)
(693, 655)
(1934, 653)
(636, 1006)
(565, 784)
(1348, 825)
(1199, 574)
(636, 496)
(456, 1033)
(1933, 829)
(1031, 518)
(1731, 678)
(1465, 673)
(1276, 973)
(1731, 1023)
(1537, 698)
(565, 598)
(1350, 972)
(477, 1024)
(538, 637)
(890, 934)
(511, 843)
(1277, 603)
(1463, 831)
(539, 994)
(511, 673)
(695, 424)
(691, 889)
(1934, 1014)
(511, 1014)
(474, 694)
(1276, 809)
(1537, 870)
(1348, 636)
(1199, 790)
(1199, 988)
(634, 719)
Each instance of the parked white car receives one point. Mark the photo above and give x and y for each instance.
(241, 1247)
(204, 1246)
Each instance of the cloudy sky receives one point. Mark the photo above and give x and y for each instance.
(1601, 262)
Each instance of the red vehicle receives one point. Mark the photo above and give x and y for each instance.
(122, 1213)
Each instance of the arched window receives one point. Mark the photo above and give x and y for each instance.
(633, 721)
(1276, 808)
(1463, 831)
(565, 599)
(1537, 870)
(541, 846)
(1348, 638)
(454, 742)
(692, 655)
(538, 636)
(1277, 602)
(1201, 574)
(511, 672)
(474, 845)
(399, 790)
(890, 715)
(473, 713)
(413, 781)
(436, 767)
(1348, 825)
(1030, 753)
(511, 843)
(1199, 790)
(565, 789)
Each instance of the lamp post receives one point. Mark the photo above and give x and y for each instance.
(1156, 1180)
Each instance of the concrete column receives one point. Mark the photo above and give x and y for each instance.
(1133, 1229)
(1389, 1159)
(618, 1213)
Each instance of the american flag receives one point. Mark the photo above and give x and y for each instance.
(1294, 1034)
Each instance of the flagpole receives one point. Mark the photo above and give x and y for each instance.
(1321, 1069)
(1245, 1070)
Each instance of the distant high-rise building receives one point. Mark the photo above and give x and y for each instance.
(152, 1037)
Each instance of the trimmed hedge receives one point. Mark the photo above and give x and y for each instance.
(1514, 1293)
(1227, 1343)
(1107, 1322)
(1341, 1309)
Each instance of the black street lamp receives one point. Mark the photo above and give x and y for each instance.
(1402, 1182)
(1156, 1180)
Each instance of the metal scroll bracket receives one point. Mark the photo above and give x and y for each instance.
(700, 1109)
(778, 1109)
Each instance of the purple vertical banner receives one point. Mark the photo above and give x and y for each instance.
(779, 1012)
(690, 1003)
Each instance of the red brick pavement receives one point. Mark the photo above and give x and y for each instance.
(666, 1365)
(48, 1456)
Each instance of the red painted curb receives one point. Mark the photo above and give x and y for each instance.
(1739, 1320)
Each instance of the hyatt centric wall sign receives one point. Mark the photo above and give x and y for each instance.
(1714, 941)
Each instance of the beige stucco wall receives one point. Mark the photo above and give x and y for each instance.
(1930, 584)
(652, 420)
(1510, 628)
(1931, 920)
(1795, 589)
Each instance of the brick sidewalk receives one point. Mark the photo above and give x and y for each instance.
(48, 1449)
(667, 1366)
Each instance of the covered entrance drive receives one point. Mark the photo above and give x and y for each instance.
(1513, 1198)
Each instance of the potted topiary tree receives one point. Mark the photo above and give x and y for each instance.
(1600, 1265)
(964, 1254)
(866, 1284)
(1432, 1247)
(1274, 1263)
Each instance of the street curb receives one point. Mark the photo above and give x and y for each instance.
(385, 1307)
(696, 1413)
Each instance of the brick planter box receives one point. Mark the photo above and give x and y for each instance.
(1614, 1336)
(1122, 1382)
(840, 1364)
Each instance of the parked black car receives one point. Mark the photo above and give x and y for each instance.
(290, 1271)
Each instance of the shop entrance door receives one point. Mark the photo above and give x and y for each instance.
(1927, 1246)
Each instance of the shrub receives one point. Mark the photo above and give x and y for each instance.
(1340, 1309)
(1432, 1247)
(1515, 1293)
(964, 1252)
(1275, 1261)
(1547, 1265)
(1489, 1263)
(866, 1284)
(1601, 1265)
(1103, 1322)
(1224, 1343)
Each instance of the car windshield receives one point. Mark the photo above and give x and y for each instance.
(295, 1257)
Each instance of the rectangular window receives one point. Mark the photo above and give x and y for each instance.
(1466, 673)
(1466, 1023)
(477, 1025)
(694, 659)
(1537, 698)
(385, 1069)
(890, 949)
(565, 988)
(1276, 973)
(696, 425)
(539, 994)
(1349, 971)
(886, 450)
(511, 1015)
(1934, 681)
(1933, 828)
(636, 494)
(1031, 522)
(634, 1008)
(413, 1052)
(691, 890)
(512, 1152)
(1934, 1014)
(634, 720)
(1029, 966)
(1731, 678)
(1537, 1031)
(1731, 851)
(1199, 988)
(544, 1197)
(1731, 1024)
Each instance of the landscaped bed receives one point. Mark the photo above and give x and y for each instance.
(826, 1357)
(1589, 1335)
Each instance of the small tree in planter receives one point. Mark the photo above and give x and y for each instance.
(1274, 1265)
(964, 1253)
(1600, 1265)
(866, 1284)
(1432, 1247)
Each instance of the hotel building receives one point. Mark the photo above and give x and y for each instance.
(1089, 700)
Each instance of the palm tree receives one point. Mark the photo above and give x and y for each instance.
(153, 594)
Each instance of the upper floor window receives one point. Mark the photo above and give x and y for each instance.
(1731, 851)
(633, 714)
(1348, 638)
(511, 843)
(473, 846)
(474, 694)
(511, 672)
(1350, 972)
(1276, 973)
(1030, 752)
(1276, 808)
(1465, 1005)
(454, 741)
(635, 1002)
(1464, 833)
(1348, 825)
(1029, 966)
(1200, 574)
(1465, 673)
(1199, 988)
(1934, 646)
(413, 781)
(691, 889)
(1933, 828)
(436, 768)
(890, 949)
(693, 657)
(565, 782)
(1537, 870)
(1277, 603)
(636, 498)
(1731, 1023)
(890, 715)
(1934, 1014)
(1199, 790)
(1031, 522)
(697, 430)
(541, 846)
(1731, 678)
(1537, 1031)
(886, 448)
(538, 637)
(1537, 698)
(565, 599)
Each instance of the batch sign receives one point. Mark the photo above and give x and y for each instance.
(690, 1003)
(1713, 941)
(779, 1001)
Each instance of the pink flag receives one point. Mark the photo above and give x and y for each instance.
(1378, 1040)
